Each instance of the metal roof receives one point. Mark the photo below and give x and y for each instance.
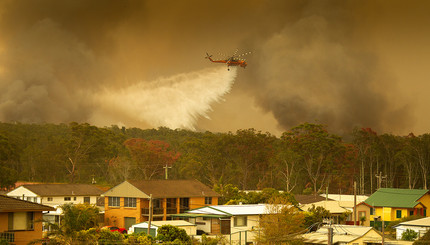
(398, 198)
(232, 210)
(333, 207)
(341, 234)
(165, 222)
(416, 222)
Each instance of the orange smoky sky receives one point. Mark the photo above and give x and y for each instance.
(140, 63)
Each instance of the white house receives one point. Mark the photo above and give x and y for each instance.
(238, 223)
(57, 194)
(420, 226)
(190, 228)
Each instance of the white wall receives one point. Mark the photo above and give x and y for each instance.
(204, 225)
(251, 229)
(60, 200)
(421, 230)
(24, 194)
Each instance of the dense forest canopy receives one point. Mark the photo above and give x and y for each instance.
(305, 158)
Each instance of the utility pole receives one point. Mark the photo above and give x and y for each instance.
(383, 224)
(165, 171)
(150, 214)
(355, 202)
(380, 178)
(330, 235)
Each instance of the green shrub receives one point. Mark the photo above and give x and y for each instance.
(409, 235)
(170, 233)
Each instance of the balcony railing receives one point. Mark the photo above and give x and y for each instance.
(7, 236)
(145, 211)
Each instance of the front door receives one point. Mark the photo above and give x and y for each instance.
(225, 226)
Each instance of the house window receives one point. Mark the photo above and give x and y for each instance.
(361, 214)
(87, 199)
(411, 212)
(50, 199)
(157, 203)
(185, 203)
(130, 202)
(398, 214)
(113, 201)
(21, 221)
(74, 198)
(240, 221)
(67, 198)
(425, 212)
(208, 200)
(372, 211)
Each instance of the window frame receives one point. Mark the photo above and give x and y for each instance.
(29, 221)
(67, 199)
(87, 200)
(112, 201)
(208, 200)
(398, 213)
(130, 202)
(237, 218)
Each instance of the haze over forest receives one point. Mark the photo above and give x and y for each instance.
(130, 63)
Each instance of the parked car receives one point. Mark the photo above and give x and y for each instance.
(114, 228)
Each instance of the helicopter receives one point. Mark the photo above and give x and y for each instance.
(233, 60)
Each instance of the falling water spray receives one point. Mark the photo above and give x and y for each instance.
(175, 102)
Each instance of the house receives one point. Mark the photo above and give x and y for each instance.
(190, 228)
(420, 226)
(57, 194)
(128, 203)
(348, 234)
(18, 220)
(239, 223)
(339, 213)
(391, 204)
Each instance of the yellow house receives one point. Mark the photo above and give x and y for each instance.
(18, 220)
(129, 202)
(390, 204)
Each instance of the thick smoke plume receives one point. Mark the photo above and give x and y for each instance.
(141, 63)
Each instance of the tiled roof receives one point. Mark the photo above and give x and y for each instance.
(173, 188)
(64, 189)
(9, 204)
(398, 198)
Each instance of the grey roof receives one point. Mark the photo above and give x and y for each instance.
(10, 204)
(306, 199)
(64, 189)
(173, 188)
